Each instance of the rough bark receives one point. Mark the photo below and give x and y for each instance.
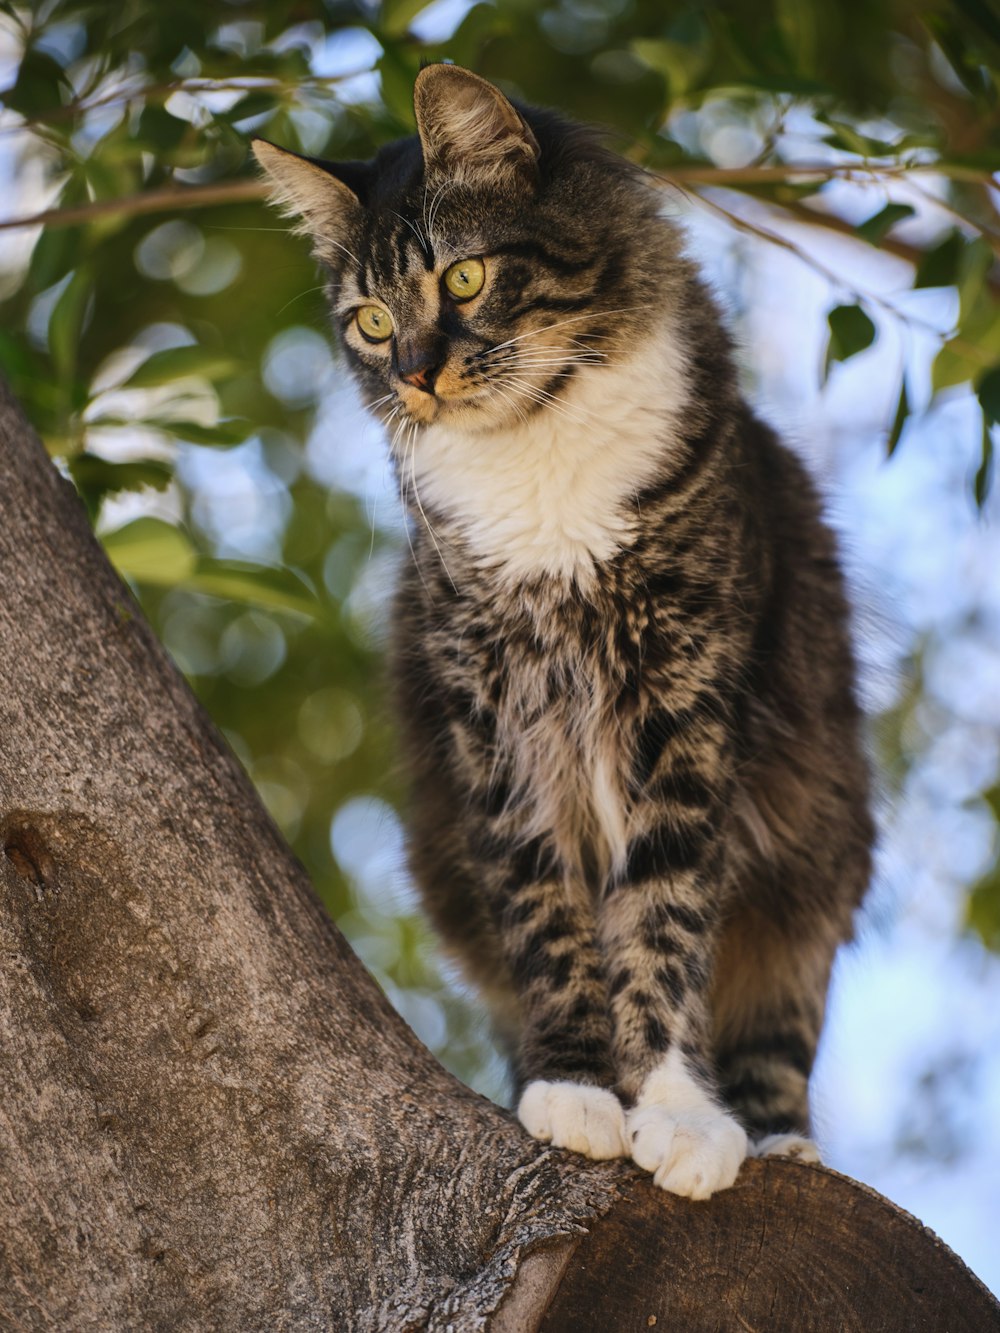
(210, 1116)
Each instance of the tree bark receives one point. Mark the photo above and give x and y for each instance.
(211, 1117)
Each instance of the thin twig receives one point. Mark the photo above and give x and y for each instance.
(812, 217)
(151, 201)
(248, 83)
(791, 172)
(968, 349)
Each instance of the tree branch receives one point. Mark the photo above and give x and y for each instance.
(791, 173)
(199, 196)
(151, 201)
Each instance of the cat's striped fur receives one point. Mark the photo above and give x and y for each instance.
(639, 804)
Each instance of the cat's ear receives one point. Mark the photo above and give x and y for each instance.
(469, 130)
(327, 196)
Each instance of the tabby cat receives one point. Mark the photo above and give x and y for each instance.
(639, 801)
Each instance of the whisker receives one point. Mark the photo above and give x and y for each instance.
(560, 323)
(349, 253)
(421, 239)
(509, 396)
(424, 210)
(524, 362)
(416, 495)
(437, 201)
(384, 399)
(547, 399)
(563, 354)
(299, 295)
(554, 374)
(409, 540)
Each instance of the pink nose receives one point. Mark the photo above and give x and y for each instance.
(418, 359)
(420, 379)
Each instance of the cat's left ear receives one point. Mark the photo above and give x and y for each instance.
(469, 130)
(327, 196)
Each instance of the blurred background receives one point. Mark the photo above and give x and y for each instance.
(834, 168)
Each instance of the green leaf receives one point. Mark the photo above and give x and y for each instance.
(67, 320)
(988, 391)
(984, 908)
(176, 363)
(159, 130)
(952, 366)
(57, 251)
(975, 264)
(980, 13)
(151, 551)
(992, 798)
(18, 364)
(397, 15)
(902, 412)
(984, 159)
(983, 480)
(398, 67)
(800, 30)
(259, 585)
(39, 85)
(257, 103)
(939, 266)
(851, 331)
(93, 473)
(879, 224)
(779, 83)
(223, 435)
(951, 40)
(95, 478)
(845, 136)
(482, 23)
(681, 65)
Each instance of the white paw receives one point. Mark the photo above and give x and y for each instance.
(795, 1146)
(678, 1132)
(575, 1116)
(692, 1153)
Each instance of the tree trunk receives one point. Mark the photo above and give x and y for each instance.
(211, 1117)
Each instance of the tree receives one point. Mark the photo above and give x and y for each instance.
(163, 331)
(214, 1119)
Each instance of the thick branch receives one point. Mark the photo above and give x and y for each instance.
(211, 1116)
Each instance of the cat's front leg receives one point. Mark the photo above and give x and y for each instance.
(563, 1064)
(658, 924)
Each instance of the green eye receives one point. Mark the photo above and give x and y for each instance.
(374, 322)
(465, 279)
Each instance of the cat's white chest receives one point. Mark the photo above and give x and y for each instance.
(561, 742)
(557, 494)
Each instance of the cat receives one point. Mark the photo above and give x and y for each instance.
(639, 813)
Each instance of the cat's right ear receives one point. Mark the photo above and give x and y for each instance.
(329, 208)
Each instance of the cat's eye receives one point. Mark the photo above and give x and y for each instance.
(465, 279)
(374, 322)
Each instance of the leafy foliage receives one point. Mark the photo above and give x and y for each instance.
(164, 313)
(851, 331)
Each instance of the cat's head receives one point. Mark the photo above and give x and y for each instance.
(478, 267)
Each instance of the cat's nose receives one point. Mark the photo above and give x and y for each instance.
(421, 379)
(418, 364)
